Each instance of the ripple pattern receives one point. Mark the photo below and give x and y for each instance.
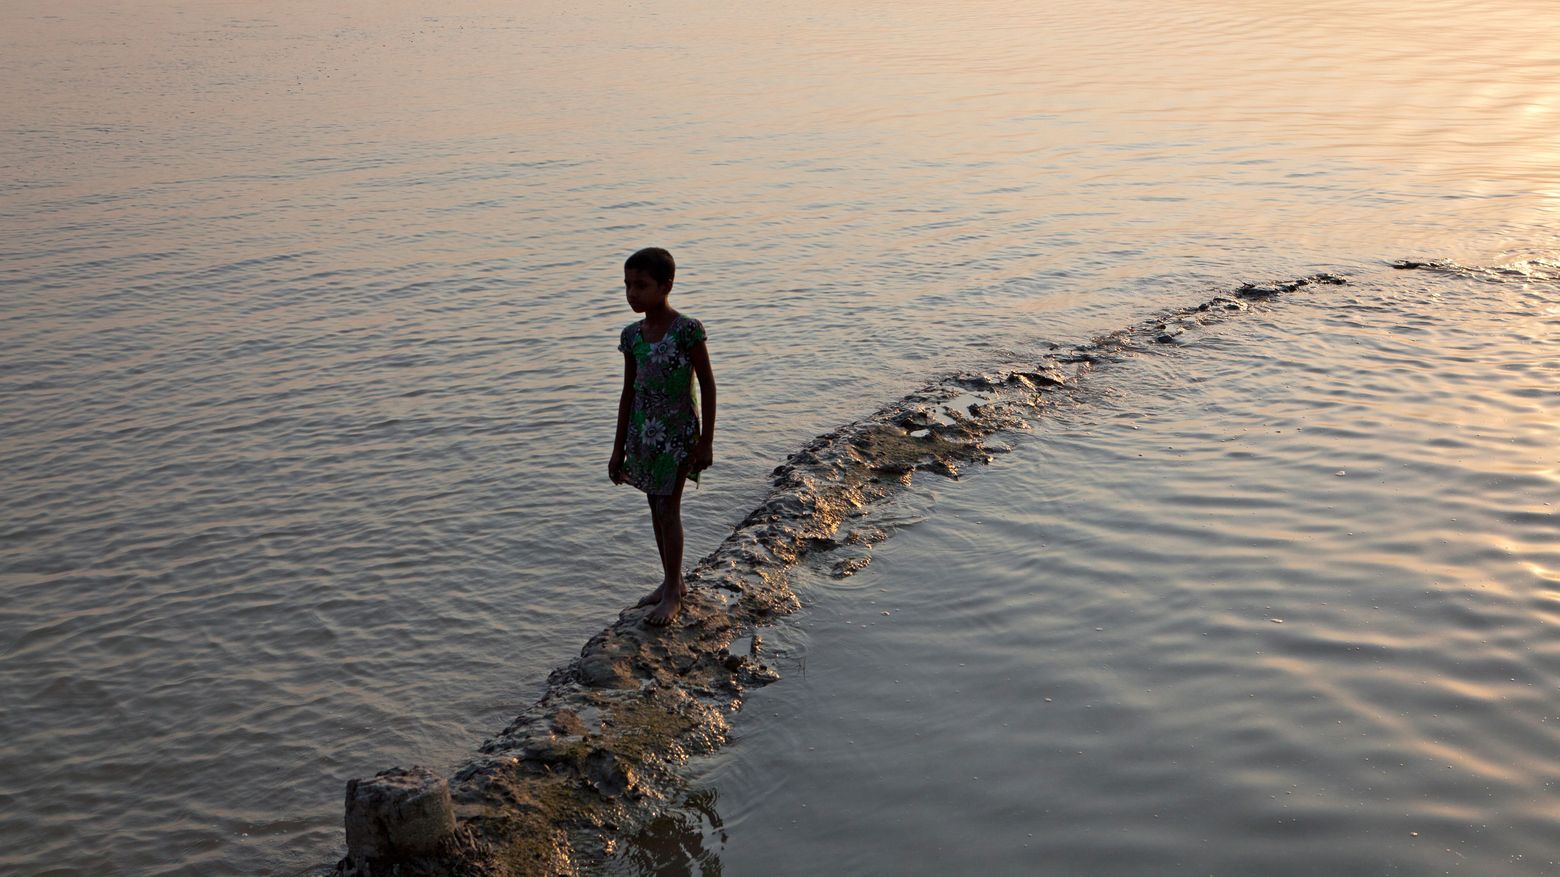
(308, 314)
(1279, 600)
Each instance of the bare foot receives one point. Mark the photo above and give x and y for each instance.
(651, 598)
(666, 611)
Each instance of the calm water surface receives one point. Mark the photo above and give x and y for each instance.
(309, 315)
(1282, 601)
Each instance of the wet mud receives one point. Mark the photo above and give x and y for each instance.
(596, 759)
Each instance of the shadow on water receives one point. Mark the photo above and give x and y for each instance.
(674, 843)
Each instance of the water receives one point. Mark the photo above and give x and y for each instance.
(309, 318)
(1282, 601)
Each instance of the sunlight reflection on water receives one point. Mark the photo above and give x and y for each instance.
(309, 315)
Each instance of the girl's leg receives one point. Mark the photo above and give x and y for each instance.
(666, 515)
(654, 596)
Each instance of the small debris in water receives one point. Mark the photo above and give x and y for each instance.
(1276, 620)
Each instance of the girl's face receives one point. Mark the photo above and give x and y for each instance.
(642, 290)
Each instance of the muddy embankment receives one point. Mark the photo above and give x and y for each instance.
(597, 756)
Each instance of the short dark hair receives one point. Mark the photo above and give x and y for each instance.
(653, 261)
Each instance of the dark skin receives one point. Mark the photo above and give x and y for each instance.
(649, 297)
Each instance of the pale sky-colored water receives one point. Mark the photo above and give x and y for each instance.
(1281, 601)
(309, 315)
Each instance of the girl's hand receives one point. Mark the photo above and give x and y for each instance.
(615, 467)
(703, 456)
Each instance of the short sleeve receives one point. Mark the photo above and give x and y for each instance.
(694, 333)
(623, 338)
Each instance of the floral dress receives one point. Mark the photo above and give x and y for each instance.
(663, 426)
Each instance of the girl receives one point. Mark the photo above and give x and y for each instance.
(659, 442)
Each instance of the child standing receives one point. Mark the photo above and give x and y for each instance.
(660, 443)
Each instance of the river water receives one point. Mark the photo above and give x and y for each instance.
(309, 318)
(1282, 600)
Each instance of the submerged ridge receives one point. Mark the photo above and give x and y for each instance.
(595, 757)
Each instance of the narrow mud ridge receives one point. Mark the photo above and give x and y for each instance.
(596, 757)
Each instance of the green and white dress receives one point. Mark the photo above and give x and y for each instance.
(663, 426)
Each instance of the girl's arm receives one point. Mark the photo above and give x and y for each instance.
(625, 405)
(704, 452)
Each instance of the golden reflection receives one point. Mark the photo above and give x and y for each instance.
(1548, 574)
